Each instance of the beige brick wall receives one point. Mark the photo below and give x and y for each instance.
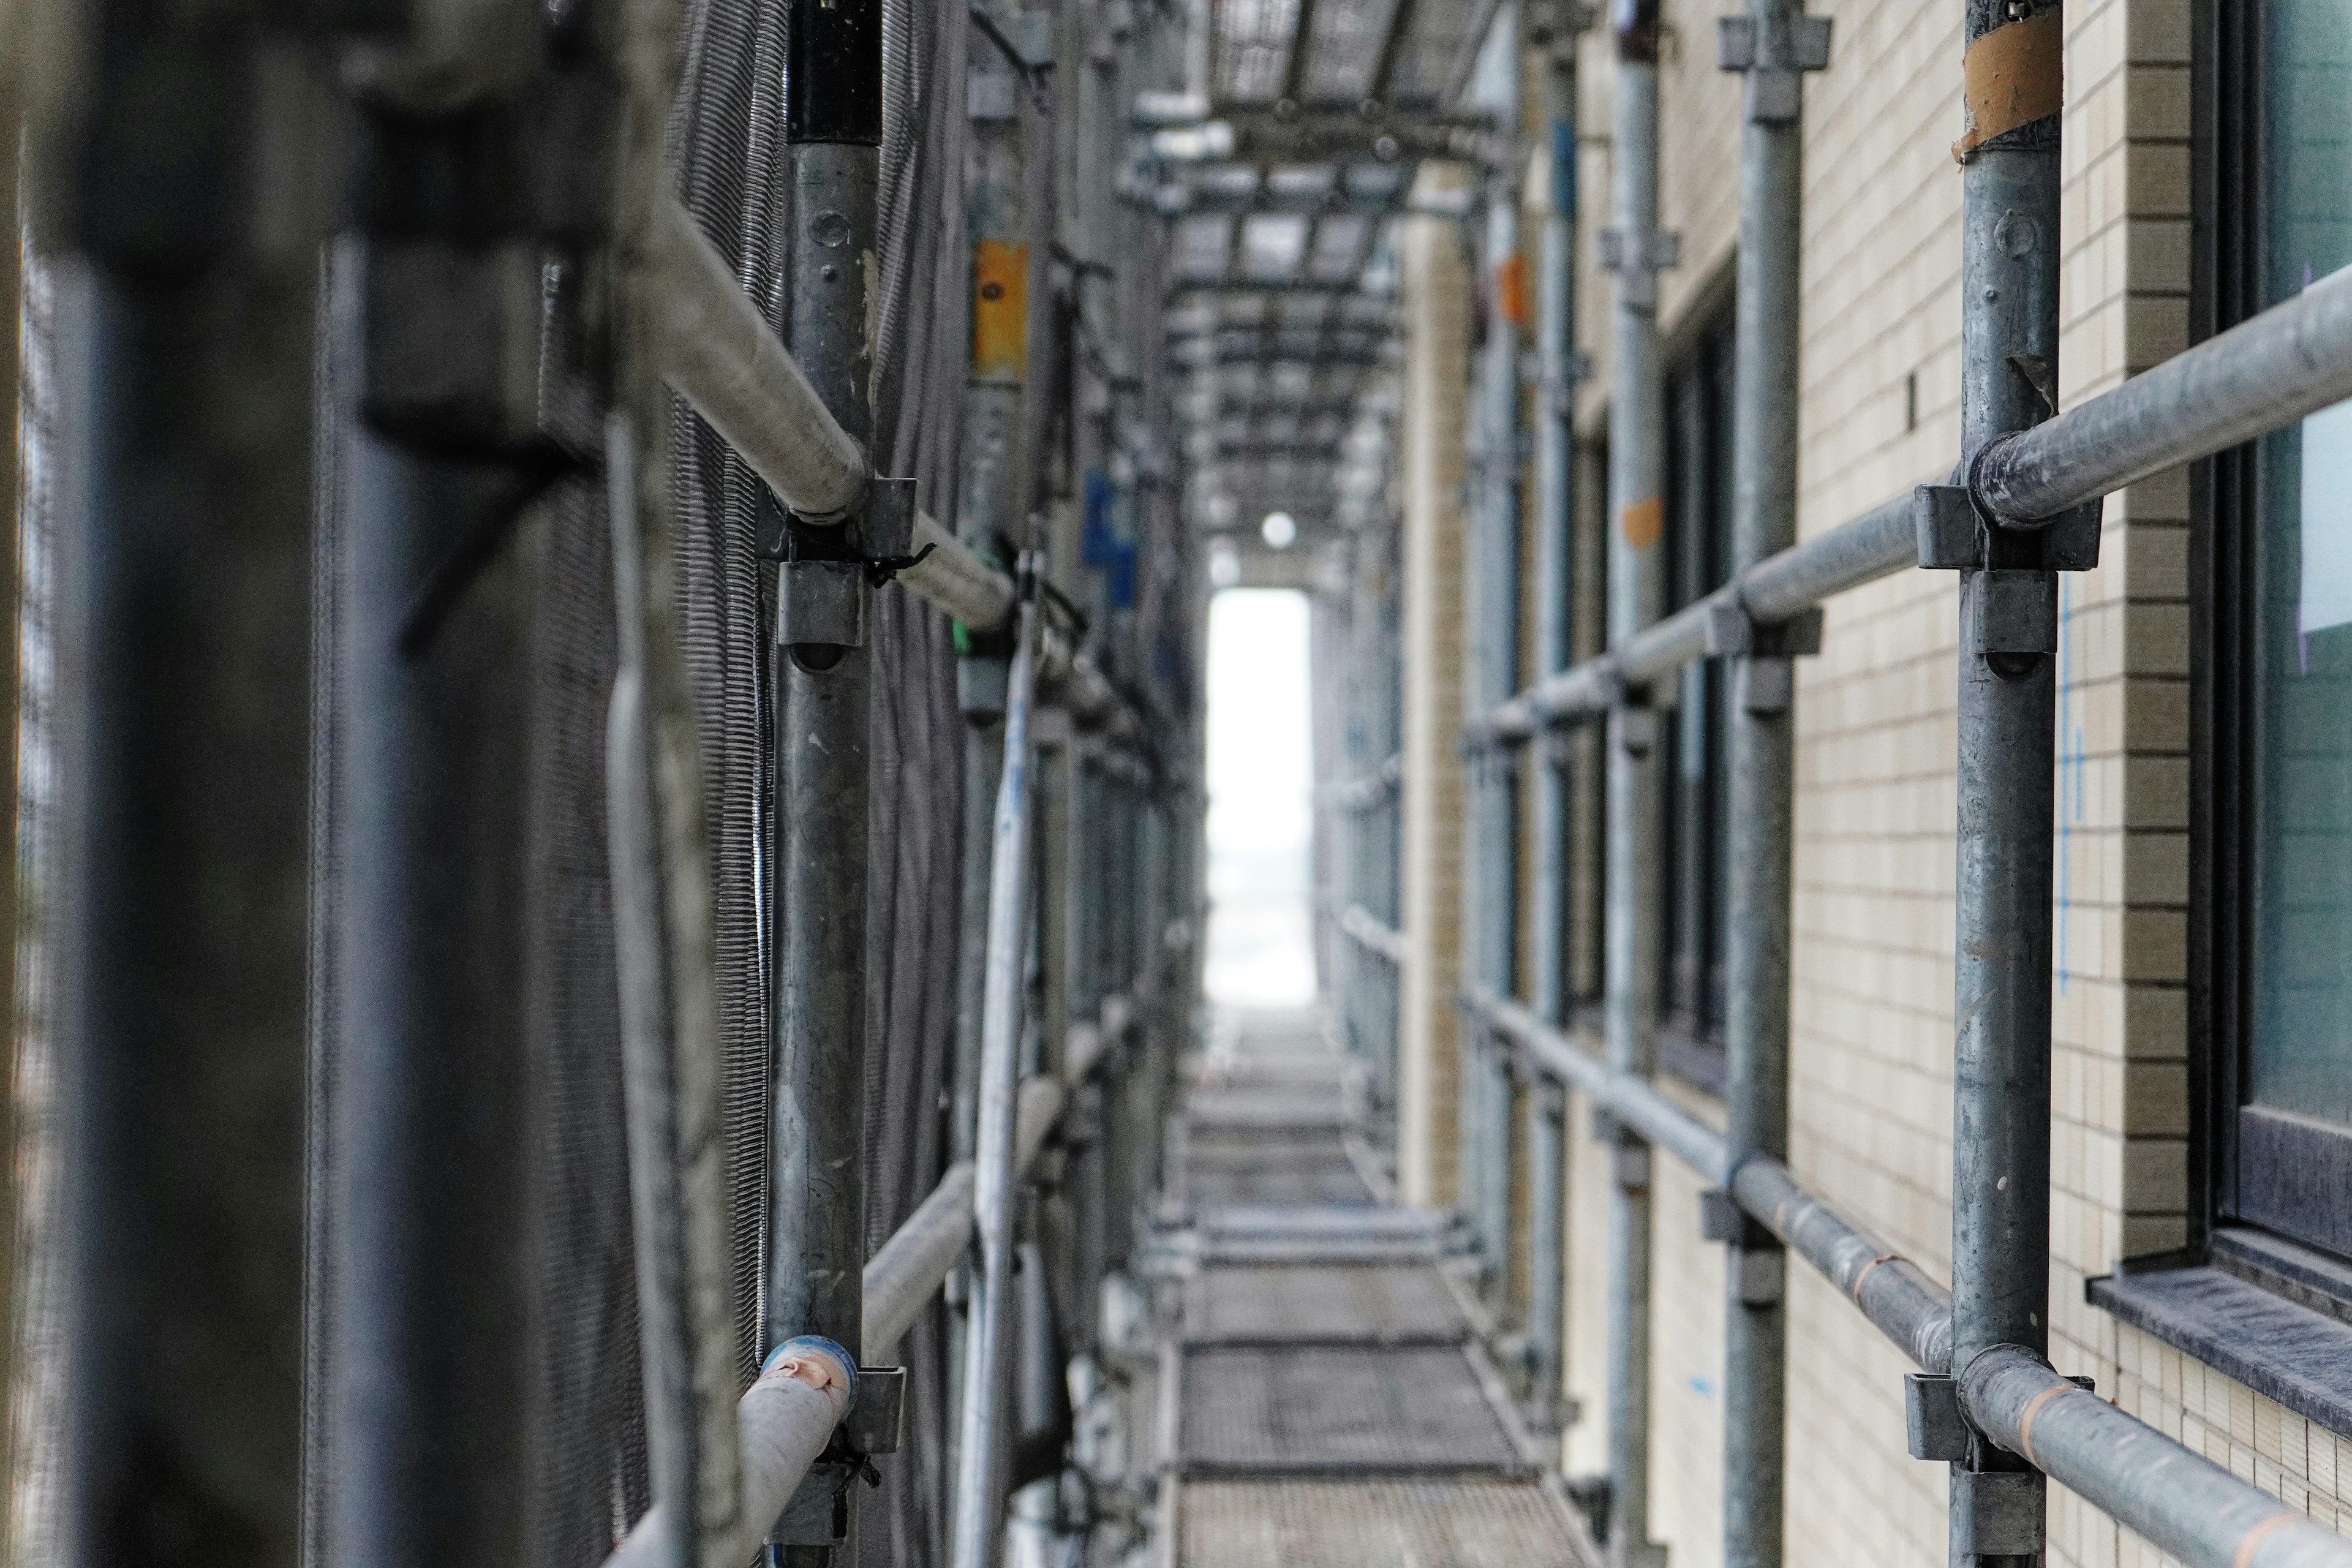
(1436, 285)
(1872, 971)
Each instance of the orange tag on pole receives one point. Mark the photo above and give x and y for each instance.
(1641, 522)
(1511, 289)
(1000, 310)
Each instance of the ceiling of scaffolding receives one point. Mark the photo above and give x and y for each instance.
(1283, 182)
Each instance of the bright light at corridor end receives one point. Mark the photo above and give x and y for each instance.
(1279, 530)
(1260, 945)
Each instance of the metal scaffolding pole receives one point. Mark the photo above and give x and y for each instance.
(2008, 714)
(1635, 250)
(833, 130)
(1491, 590)
(979, 1444)
(1561, 370)
(184, 348)
(1774, 44)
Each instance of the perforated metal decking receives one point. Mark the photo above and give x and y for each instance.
(1331, 1406)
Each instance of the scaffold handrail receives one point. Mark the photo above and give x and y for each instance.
(2271, 370)
(2290, 360)
(1375, 936)
(1878, 543)
(2192, 1507)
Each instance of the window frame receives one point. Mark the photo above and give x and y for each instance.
(1698, 418)
(2286, 1174)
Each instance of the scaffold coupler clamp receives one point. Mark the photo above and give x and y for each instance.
(1632, 717)
(1774, 57)
(2014, 602)
(1763, 652)
(818, 1513)
(1637, 256)
(1758, 1261)
(1996, 1512)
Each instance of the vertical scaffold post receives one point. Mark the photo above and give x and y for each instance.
(1491, 589)
(1774, 44)
(1635, 250)
(989, 507)
(183, 352)
(833, 130)
(979, 1444)
(2008, 696)
(990, 514)
(1560, 370)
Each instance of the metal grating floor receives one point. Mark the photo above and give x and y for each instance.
(1312, 1409)
(1369, 1303)
(1278, 1176)
(1404, 1522)
(1326, 1407)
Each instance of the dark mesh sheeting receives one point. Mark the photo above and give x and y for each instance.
(724, 146)
(588, 1454)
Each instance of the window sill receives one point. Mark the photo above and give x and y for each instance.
(2292, 1353)
(1698, 1060)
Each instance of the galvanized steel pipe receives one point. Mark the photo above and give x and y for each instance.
(953, 577)
(2293, 360)
(782, 1423)
(1879, 544)
(715, 348)
(2187, 1506)
(1637, 594)
(1760, 770)
(979, 1469)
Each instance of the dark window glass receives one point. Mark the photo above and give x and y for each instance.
(2279, 832)
(1696, 838)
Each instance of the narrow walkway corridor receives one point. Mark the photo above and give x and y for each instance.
(1332, 1405)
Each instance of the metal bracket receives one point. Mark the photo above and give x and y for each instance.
(1774, 59)
(1637, 729)
(818, 1513)
(889, 523)
(1629, 1164)
(1637, 256)
(1764, 680)
(1932, 1424)
(450, 342)
(1934, 1427)
(1757, 1258)
(821, 603)
(876, 1419)
(1954, 533)
(2016, 611)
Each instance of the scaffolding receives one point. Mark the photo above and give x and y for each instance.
(511, 485)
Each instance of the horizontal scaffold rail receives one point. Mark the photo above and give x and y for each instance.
(2293, 360)
(785, 1423)
(719, 353)
(1877, 545)
(1374, 935)
(2186, 1504)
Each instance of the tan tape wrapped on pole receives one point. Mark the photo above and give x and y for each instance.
(714, 347)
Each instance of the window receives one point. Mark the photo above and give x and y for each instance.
(2275, 796)
(1696, 840)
